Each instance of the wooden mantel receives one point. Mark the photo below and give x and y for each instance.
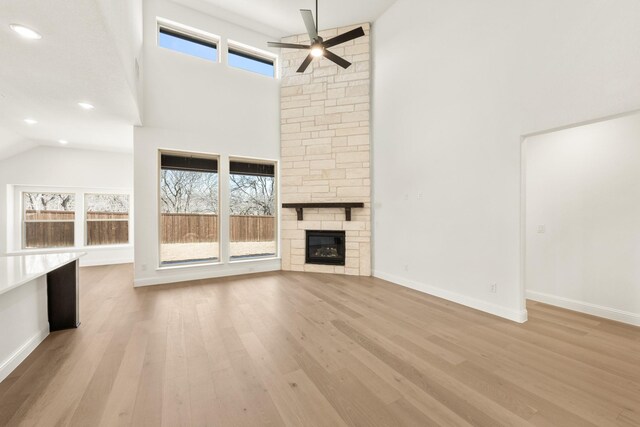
(299, 207)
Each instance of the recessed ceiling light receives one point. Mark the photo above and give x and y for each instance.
(25, 32)
(30, 122)
(63, 141)
(86, 105)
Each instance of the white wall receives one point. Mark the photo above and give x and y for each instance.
(583, 218)
(12, 143)
(123, 19)
(456, 85)
(63, 168)
(195, 105)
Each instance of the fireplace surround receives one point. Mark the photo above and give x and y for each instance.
(325, 155)
(325, 247)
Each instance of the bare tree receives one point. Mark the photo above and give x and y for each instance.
(189, 192)
(107, 203)
(197, 192)
(252, 195)
(49, 201)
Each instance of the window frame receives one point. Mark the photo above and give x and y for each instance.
(15, 213)
(185, 264)
(276, 186)
(254, 53)
(86, 219)
(24, 221)
(191, 34)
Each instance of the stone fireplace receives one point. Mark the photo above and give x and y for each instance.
(325, 155)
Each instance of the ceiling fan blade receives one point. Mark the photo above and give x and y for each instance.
(338, 60)
(307, 16)
(287, 45)
(305, 63)
(343, 38)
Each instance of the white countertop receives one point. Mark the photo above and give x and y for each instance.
(16, 270)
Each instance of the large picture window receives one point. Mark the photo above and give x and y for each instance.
(107, 217)
(252, 191)
(49, 220)
(189, 209)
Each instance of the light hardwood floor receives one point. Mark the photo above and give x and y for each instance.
(309, 349)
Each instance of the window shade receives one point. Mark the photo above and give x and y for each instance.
(192, 39)
(182, 163)
(254, 169)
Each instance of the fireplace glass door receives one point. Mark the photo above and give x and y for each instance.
(325, 247)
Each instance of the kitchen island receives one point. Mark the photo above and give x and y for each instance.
(38, 294)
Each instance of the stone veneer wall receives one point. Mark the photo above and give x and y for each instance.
(325, 150)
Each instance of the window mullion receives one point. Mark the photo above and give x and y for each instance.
(224, 217)
(79, 222)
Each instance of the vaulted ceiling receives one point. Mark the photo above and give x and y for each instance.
(77, 60)
(86, 55)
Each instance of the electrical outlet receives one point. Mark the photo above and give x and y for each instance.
(143, 267)
(406, 267)
(493, 288)
(542, 229)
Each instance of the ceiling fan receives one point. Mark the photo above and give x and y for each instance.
(318, 46)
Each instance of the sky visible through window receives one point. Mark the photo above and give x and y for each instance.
(180, 43)
(250, 65)
(192, 48)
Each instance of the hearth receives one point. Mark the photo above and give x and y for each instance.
(325, 247)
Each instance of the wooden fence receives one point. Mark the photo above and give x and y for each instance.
(49, 234)
(51, 229)
(56, 228)
(107, 233)
(252, 228)
(194, 228)
(30, 215)
(188, 228)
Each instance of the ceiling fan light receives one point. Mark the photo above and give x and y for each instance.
(317, 51)
(319, 47)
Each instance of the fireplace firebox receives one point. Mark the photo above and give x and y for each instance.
(325, 247)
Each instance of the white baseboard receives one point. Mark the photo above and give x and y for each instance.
(201, 273)
(585, 307)
(487, 307)
(10, 363)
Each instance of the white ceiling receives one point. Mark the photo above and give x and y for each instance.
(76, 60)
(283, 16)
